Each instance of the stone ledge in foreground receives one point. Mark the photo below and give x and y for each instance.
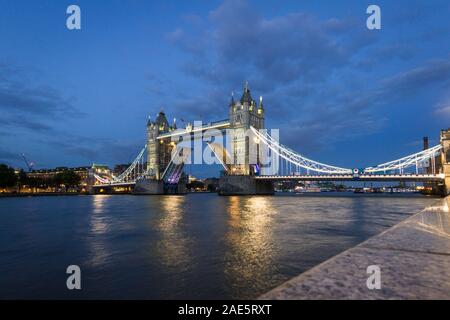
(414, 258)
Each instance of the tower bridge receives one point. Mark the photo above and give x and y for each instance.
(252, 159)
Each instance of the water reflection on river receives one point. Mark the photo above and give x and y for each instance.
(194, 246)
(174, 244)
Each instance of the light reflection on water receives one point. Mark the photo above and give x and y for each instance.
(172, 248)
(250, 238)
(100, 224)
(194, 246)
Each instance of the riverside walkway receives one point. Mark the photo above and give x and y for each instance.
(413, 257)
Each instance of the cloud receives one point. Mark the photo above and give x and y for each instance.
(30, 109)
(284, 57)
(30, 100)
(386, 53)
(297, 46)
(22, 122)
(98, 150)
(36, 115)
(435, 72)
(340, 114)
(8, 157)
(443, 108)
(320, 72)
(24, 98)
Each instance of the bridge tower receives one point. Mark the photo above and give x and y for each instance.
(159, 153)
(245, 162)
(243, 114)
(159, 150)
(444, 162)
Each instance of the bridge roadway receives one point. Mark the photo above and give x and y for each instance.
(217, 125)
(361, 177)
(120, 184)
(337, 177)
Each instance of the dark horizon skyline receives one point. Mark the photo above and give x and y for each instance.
(338, 92)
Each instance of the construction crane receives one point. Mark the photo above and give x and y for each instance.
(30, 165)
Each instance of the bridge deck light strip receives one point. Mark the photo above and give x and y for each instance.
(126, 174)
(136, 170)
(296, 158)
(131, 174)
(408, 161)
(182, 132)
(363, 177)
(102, 180)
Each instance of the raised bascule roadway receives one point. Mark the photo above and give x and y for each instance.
(158, 167)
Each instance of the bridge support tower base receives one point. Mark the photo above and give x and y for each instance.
(445, 189)
(149, 186)
(244, 185)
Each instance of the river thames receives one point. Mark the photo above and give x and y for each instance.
(197, 246)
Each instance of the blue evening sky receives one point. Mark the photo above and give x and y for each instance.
(340, 93)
